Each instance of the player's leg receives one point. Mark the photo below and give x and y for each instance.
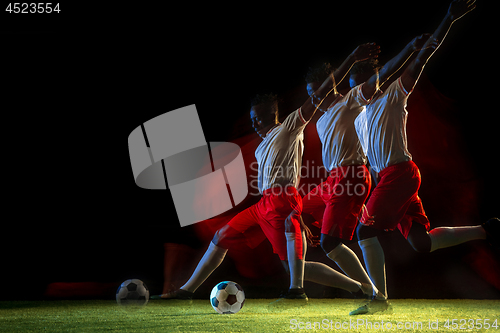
(415, 228)
(295, 248)
(294, 266)
(176, 265)
(373, 255)
(442, 237)
(322, 274)
(344, 193)
(212, 258)
(280, 213)
(215, 254)
(313, 206)
(388, 203)
(348, 261)
(293, 262)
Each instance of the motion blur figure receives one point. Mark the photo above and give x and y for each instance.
(277, 215)
(337, 202)
(394, 203)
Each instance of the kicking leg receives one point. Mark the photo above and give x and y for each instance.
(223, 239)
(442, 237)
(322, 274)
(344, 257)
(176, 265)
(212, 258)
(445, 236)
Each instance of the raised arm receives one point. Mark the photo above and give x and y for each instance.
(362, 52)
(457, 9)
(392, 66)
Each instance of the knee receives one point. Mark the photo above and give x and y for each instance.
(217, 238)
(421, 248)
(419, 239)
(364, 232)
(221, 236)
(291, 225)
(328, 243)
(420, 244)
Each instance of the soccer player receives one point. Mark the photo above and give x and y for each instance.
(337, 202)
(394, 203)
(277, 214)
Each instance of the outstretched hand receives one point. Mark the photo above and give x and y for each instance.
(458, 8)
(366, 51)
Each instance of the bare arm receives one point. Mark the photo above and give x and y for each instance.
(457, 9)
(392, 66)
(362, 52)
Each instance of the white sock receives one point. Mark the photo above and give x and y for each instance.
(320, 273)
(450, 236)
(347, 260)
(375, 263)
(210, 261)
(295, 264)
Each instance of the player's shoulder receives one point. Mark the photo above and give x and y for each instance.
(294, 121)
(397, 87)
(337, 102)
(355, 95)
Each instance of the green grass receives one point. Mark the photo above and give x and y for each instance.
(180, 316)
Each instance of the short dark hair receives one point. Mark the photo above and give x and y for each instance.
(270, 100)
(319, 73)
(370, 65)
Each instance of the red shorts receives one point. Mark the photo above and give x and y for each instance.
(395, 202)
(337, 202)
(269, 215)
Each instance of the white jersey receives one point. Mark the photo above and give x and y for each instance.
(382, 127)
(279, 155)
(336, 130)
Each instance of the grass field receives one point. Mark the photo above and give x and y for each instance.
(181, 316)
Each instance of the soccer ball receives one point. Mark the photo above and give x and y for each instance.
(227, 297)
(132, 293)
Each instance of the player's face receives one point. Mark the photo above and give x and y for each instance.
(312, 87)
(263, 119)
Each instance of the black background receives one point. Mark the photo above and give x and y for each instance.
(75, 84)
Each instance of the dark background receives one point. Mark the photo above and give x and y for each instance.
(75, 84)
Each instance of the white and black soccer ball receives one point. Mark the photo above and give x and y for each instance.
(133, 293)
(227, 297)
